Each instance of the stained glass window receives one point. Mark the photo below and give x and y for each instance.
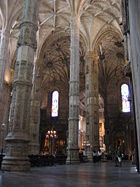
(125, 95)
(55, 98)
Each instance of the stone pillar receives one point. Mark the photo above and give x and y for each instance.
(73, 150)
(107, 120)
(134, 14)
(7, 100)
(92, 105)
(35, 113)
(3, 58)
(16, 158)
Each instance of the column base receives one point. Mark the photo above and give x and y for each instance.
(16, 158)
(15, 164)
(73, 156)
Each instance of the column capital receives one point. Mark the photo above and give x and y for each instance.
(89, 55)
(75, 20)
(92, 54)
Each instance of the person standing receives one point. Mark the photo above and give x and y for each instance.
(94, 154)
(99, 155)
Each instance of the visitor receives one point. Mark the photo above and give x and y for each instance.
(84, 156)
(84, 152)
(118, 156)
(99, 154)
(133, 156)
(94, 154)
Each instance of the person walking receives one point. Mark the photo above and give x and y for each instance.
(118, 157)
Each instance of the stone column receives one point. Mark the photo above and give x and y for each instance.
(16, 158)
(35, 113)
(73, 150)
(3, 57)
(134, 14)
(107, 120)
(7, 100)
(92, 105)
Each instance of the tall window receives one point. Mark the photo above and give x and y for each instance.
(125, 95)
(55, 98)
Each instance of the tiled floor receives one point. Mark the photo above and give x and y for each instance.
(82, 175)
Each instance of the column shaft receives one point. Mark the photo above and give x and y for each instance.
(92, 105)
(35, 113)
(3, 58)
(16, 158)
(5, 120)
(73, 150)
(134, 21)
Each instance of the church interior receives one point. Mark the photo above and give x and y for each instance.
(69, 80)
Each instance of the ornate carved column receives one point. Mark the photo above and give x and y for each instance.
(35, 112)
(92, 105)
(3, 58)
(16, 158)
(73, 150)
